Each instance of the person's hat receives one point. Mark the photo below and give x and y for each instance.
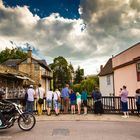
(31, 86)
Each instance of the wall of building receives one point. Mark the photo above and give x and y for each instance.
(126, 76)
(106, 89)
(126, 56)
(30, 69)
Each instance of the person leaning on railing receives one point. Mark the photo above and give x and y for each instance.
(30, 99)
(124, 102)
(65, 97)
(84, 100)
(138, 101)
(40, 94)
(49, 95)
(97, 98)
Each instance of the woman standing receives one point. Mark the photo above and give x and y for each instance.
(56, 100)
(40, 94)
(124, 102)
(49, 96)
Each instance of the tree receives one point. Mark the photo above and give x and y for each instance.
(88, 83)
(14, 53)
(79, 74)
(61, 72)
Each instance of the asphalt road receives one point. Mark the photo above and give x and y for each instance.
(75, 130)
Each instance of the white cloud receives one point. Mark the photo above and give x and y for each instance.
(105, 28)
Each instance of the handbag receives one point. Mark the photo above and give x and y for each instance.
(58, 98)
(40, 100)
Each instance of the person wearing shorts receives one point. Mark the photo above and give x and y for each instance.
(49, 95)
(59, 100)
(56, 103)
(78, 99)
(72, 101)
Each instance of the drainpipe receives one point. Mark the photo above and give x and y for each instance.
(113, 78)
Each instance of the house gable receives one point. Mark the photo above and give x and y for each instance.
(107, 69)
(127, 57)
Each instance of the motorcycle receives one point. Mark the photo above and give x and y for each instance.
(12, 112)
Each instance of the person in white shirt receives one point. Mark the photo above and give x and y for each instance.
(30, 99)
(56, 100)
(59, 99)
(49, 96)
(40, 94)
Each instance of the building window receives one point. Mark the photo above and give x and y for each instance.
(138, 71)
(108, 80)
(36, 67)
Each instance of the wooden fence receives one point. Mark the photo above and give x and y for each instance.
(111, 104)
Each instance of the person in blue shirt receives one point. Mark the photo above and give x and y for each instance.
(72, 101)
(84, 100)
(97, 98)
(65, 97)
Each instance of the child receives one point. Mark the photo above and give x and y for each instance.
(78, 97)
(72, 101)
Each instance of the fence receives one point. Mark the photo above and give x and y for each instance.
(111, 104)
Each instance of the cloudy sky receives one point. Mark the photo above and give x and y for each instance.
(86, 32)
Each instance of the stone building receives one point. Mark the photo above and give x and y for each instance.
(37, 70)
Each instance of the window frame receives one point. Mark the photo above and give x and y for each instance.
(108, 80)
(138, 70)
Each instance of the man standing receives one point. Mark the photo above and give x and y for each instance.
(84, 100)
(30, 99)
(65, 96)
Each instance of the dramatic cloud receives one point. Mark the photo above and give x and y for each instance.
(106, 27)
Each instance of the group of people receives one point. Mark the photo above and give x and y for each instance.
(67, 97)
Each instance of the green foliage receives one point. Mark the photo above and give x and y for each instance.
(14, 53)
(77, 88)
(79, 74)
(62, 72)
(89, 84)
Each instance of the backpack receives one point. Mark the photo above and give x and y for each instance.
(26, 96)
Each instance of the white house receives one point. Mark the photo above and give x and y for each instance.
(106, 80)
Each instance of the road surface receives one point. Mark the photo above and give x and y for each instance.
(75, 130)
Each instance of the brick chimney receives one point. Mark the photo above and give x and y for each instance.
(101, 67)
(29, 55)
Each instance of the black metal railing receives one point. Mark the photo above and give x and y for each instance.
(111, 104)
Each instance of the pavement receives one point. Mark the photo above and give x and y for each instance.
(88, 117)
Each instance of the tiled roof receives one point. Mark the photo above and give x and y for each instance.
(107, 69)
(11, 62)
(15, 62)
